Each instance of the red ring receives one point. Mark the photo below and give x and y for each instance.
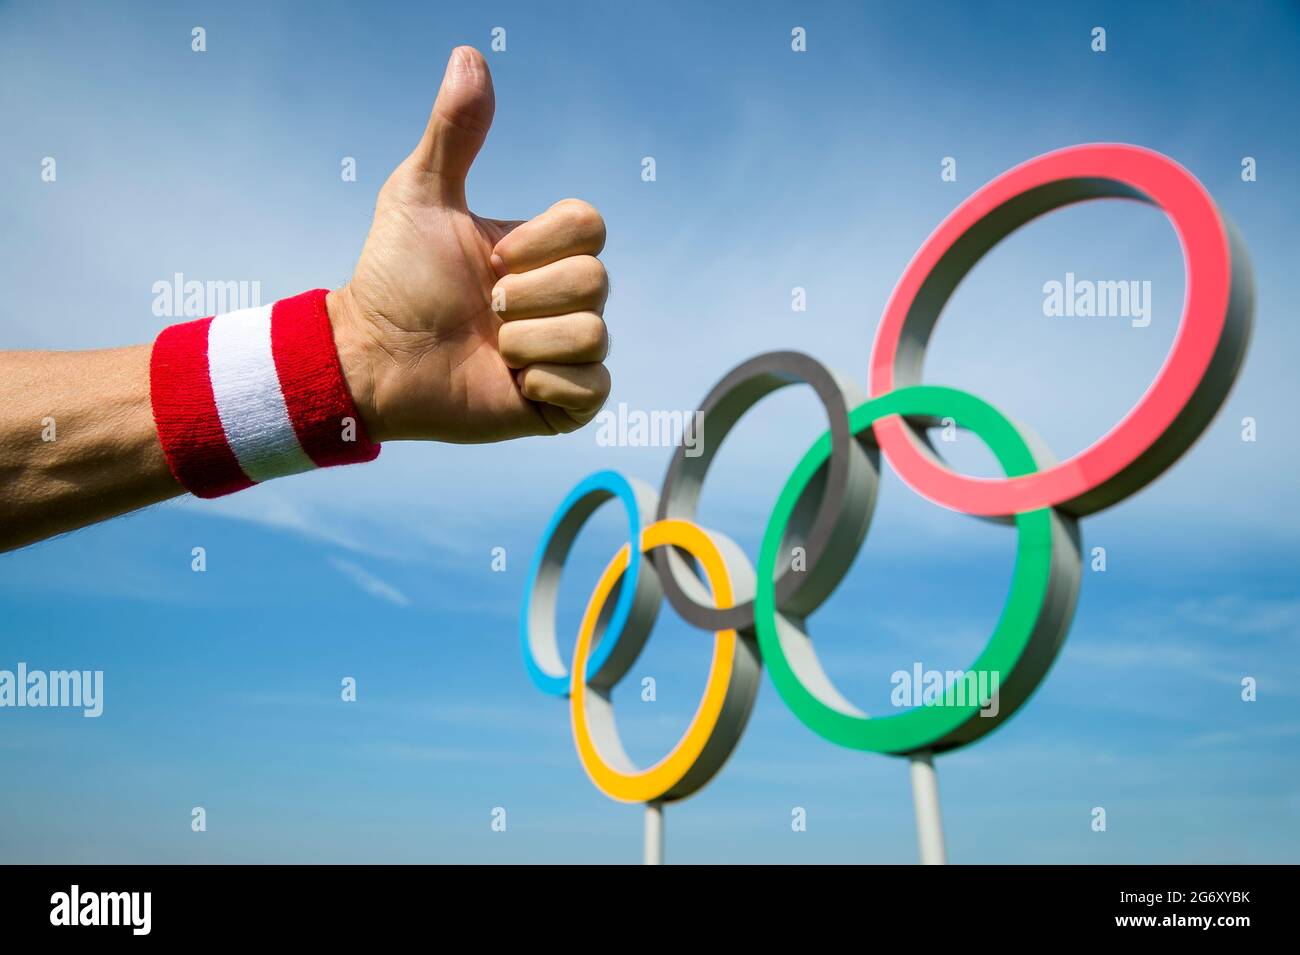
(1127, 456)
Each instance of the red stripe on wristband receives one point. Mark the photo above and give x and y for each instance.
(252, 395)
(311, 380)
(185, 413)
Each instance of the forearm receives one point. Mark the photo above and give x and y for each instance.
(77, 441)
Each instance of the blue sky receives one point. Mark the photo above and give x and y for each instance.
(774, 170)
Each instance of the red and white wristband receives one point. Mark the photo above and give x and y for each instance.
(252, 395)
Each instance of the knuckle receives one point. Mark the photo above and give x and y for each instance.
(590, 336)
(592, 276)
(586, 222)
(579, 213)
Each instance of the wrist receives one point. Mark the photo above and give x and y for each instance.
(356, 357)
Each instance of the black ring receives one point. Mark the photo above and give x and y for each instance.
(833, 515)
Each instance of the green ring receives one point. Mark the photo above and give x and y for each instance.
(1028, 633)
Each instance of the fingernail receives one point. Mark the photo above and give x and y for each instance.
(499, 264)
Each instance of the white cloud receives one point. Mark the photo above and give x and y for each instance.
(371, 584)
(1236, 614)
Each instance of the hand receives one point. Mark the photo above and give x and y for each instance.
(465, 329)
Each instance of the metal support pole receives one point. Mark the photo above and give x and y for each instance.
(654, 833)
(929, 821)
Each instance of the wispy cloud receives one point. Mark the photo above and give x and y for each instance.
(1235, 613)
(1239, 737)
(368, 582)
(1137, 656)
(415, 752)
(273, 508)
(1196, 636)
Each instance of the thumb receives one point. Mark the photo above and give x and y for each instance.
(459, 123)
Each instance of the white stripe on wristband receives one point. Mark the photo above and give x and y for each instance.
(246, 389)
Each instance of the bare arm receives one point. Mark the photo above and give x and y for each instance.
(77, 441)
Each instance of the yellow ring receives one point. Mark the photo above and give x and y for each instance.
(626, 783)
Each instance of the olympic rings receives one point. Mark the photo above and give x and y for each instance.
(1031, 629)
(728, 695)
(826, 505)
(1208, 350)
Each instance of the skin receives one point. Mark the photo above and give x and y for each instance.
(453, 327)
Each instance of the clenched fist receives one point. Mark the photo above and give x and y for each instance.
(459, 328)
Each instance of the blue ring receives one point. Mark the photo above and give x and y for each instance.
(605, 484)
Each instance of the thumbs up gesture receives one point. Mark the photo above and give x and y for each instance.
(459, 328)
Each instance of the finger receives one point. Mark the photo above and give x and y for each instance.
(579, 389)
(459, 123)
(570, 227)
(574, 339)
(575, 284)
(562, 421)
(497, 229)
